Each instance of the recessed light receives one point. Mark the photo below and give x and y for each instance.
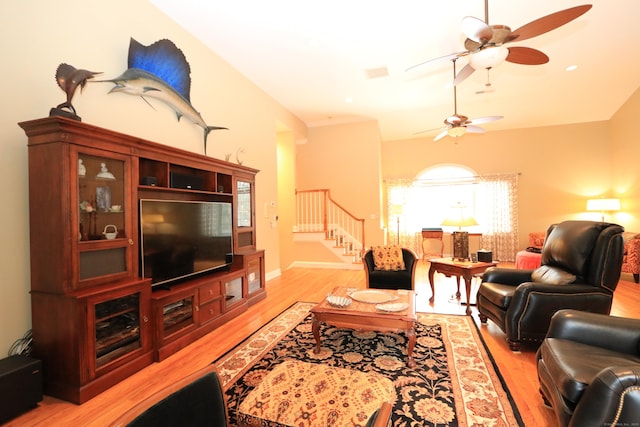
(571, 68)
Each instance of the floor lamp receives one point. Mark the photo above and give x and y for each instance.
(460, 239)
(397, 211)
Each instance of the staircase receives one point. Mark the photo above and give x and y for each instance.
(319, 218)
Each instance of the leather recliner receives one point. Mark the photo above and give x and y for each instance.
(522, 307)
(589, 369)
(195, 400)
(391, 279)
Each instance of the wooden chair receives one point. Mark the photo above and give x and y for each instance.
(432, 243)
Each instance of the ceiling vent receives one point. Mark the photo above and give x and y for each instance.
(374, 73)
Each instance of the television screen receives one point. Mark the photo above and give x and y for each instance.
(183, 238)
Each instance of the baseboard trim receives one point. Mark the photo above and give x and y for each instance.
(333, 265)
(273, 274)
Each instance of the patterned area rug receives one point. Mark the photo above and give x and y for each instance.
(453, 384)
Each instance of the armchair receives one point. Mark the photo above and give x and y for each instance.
(589, 369)
(631, 259)
(399, 276)
(580, 268)
(197, 399)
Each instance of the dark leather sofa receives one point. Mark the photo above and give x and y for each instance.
(391, 279)
(522, 307)
(589, 369)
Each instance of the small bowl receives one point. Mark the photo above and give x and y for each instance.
(339, 302)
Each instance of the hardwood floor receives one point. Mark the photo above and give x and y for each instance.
(518, 369)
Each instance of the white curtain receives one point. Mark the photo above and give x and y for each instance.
(497, 199)
(491, 199)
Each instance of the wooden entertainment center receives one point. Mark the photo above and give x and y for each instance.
(95, 320)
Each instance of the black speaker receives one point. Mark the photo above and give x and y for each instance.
(20, 385)
(190, 182)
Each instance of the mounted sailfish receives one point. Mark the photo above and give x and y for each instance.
(161, 71)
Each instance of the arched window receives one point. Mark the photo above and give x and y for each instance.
(447, 190)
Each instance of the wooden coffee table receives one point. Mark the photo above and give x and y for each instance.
(365, 316)
(464, 269)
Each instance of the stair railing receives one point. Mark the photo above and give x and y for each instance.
(316, 211)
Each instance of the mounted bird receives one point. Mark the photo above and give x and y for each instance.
(69, 78)
(161, 71)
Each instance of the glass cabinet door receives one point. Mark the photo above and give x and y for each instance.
(245, 216)
(233, 290)
(254, 274)
(117, 328)
(103, 220)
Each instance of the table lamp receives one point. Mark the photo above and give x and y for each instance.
(460, 239)
(603, 205)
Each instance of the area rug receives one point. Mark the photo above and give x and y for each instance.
(454, 382)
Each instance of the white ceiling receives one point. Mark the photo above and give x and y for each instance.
(272, 44)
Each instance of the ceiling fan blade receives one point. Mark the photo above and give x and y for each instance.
(441, 135)
(526, 56)
(474, 129)
(466, 71)
(549, 22)
(476, 29)
(481, 120)
(430, 130)
(449, 56)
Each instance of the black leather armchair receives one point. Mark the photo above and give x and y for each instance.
(589, 369)
(196, 400)
(522, 307)
(391, 279)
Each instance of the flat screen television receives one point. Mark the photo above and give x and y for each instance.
(183, 238)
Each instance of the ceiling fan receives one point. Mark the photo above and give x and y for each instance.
(485, 43)
(457, 124)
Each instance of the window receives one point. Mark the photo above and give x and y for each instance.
(447, 189)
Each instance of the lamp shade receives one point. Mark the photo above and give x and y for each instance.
(457, 218)
(603, 205)
(460, 222)
(395, 210)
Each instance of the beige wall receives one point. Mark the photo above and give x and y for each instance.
(39, 35)
(560, 166)
(345, 158)
(625, 139)
(286, 197)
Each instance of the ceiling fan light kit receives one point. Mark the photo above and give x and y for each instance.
(456, 131)
(489, 57)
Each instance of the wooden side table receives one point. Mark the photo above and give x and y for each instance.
(464, 269)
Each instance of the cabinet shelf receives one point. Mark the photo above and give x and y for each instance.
(180, 190)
